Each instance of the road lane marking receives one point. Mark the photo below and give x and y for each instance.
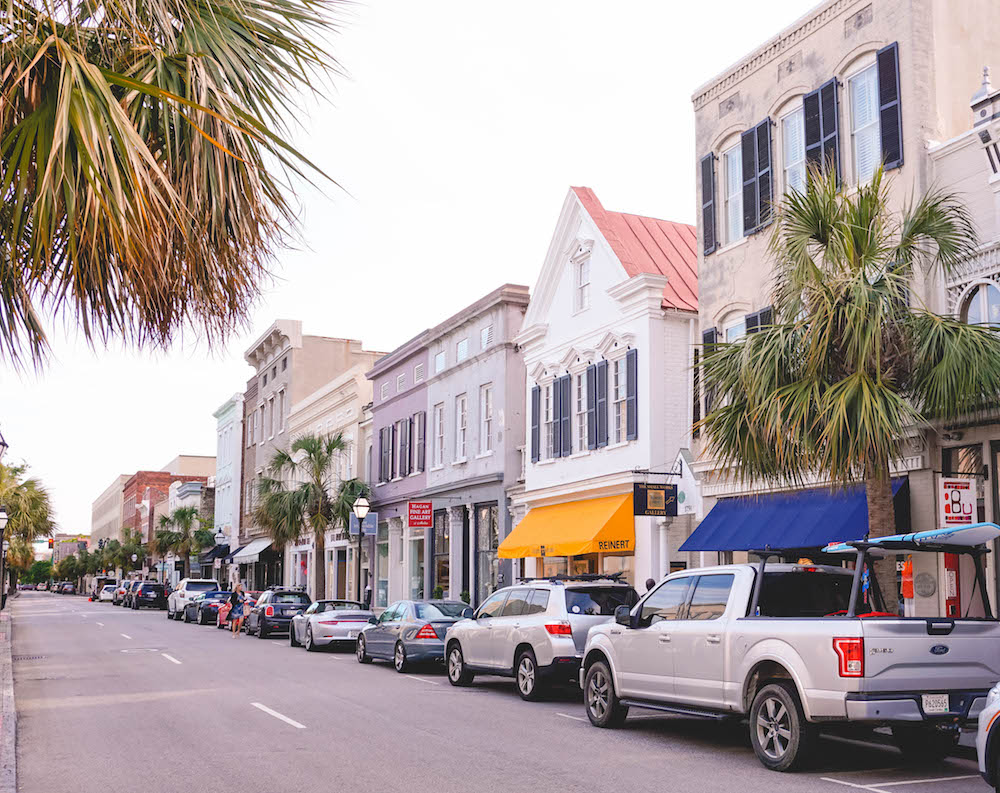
(926, 781)
(101, 624)
(574, 718)
(126, 636)
(170, 658)
(424, 680)
(281, 643)
(278, 716)
(849, 784)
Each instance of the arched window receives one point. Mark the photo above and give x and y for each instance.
(982, 307)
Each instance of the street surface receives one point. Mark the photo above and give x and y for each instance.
(115, 700)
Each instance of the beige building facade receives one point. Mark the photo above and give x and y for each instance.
(106, 512)
(851, 84)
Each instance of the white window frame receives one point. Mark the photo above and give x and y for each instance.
(270, 416)
(619, 399)
(461, 427)
(400, 382)
(462, 350)
(733, 158)
(735, 329)
(486, 418)
(580, 408)
(873, 127)
(281, 411)
(980, 294)
(262, 426)
(582, 281)
(439, 362)
(548, 422)
(486, 336)
(438, 460)
(793, 162)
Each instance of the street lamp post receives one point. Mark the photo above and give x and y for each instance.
(3, 558)
(3, 447)
(361, 508)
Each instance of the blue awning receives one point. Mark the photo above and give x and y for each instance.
(796, 519)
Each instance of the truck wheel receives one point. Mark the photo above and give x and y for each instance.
(600, 699)
(923, 745)
(781, 737)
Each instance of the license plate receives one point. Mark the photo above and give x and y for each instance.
(352, 634)
(935, 703)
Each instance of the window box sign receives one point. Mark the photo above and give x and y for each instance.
(420, 514)
(957, 498)
(370, 523)
(654, 500)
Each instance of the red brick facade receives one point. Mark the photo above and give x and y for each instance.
(153, 486)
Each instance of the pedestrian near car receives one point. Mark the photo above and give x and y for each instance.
(236, 601)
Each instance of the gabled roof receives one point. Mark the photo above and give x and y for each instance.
(650, 245)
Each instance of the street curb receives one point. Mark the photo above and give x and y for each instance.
(8, 711)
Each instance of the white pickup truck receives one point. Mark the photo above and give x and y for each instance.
(799, 647)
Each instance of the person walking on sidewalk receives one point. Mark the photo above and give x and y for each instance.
(236, 601)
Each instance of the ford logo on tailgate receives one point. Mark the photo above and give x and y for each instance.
(939, 649)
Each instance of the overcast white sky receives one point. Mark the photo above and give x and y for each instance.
(456, 135)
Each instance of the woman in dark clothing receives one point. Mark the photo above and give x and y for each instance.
(236, 600)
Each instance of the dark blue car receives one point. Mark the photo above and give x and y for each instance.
(410, 631)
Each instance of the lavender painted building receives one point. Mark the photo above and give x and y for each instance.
(447, 427)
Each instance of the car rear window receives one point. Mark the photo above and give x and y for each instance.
(433, 611)
(291, 597)
(804, 593)
(152, 587)
(599, 601)
(201, 586)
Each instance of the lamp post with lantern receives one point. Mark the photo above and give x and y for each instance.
(3, 558)
(361, 508)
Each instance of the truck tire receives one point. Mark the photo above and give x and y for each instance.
(600, 698)
(781, 737)
(923, 745)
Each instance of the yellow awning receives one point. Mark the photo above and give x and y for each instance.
(595, 525)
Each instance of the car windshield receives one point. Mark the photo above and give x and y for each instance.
(806, 592)
(299, 598)
(599, 601)
(201, 586)
(434, 611)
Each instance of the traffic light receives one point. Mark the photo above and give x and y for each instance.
(52, 543)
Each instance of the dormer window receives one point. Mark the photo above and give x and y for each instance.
(583, 284)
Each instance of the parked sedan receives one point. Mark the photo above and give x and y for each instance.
(274, 611)
(107, 593)
(204, 607)
(410, 631)
(328, 622)
(67, 588)
(149, 594)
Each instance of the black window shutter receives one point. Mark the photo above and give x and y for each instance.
(748, 150)
(696, 405)
(602, 403)
(709, 339)
(820, 117)
(708, 203)
(813, 128)
(765, 317)
(393, 446)
(752, 322)
(632, 394)
(764, 173)
(564, 418)
(890, 116)
(556, 423)
(381, 455)
(592, 406)
(536, 398)
(406, 449)
(421, 419)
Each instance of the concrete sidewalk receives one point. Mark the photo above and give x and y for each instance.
(8, 711)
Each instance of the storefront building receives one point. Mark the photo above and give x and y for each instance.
(607, 343)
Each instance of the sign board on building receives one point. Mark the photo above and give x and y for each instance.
(370, 523)
(217, 564)
(957, 500)
(654, 499)
(420, 514)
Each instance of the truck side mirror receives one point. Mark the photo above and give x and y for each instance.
(623, 616)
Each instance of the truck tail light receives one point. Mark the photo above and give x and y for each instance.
(559, 629)
(426, 632)
(850, 656)
(269, 611)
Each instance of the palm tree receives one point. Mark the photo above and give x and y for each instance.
(287, 508)
(177, 534)
(853, 364)
(29, 510)
(350, 490)
(144, 158)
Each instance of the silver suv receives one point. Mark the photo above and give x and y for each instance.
(534, 632)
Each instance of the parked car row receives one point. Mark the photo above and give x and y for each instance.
(789, 648)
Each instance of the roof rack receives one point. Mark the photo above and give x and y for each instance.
(556, 579)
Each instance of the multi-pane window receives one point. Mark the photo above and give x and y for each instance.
(270, 412)
(793, 150)
(462, 350)
(619, 392)
(734, 193)
(384, 391)
(263, 426)
(485, 419)
(486, 337)
(250, 432)
(438, 434)
(400, 382)
(281, 410)
(461, 425)
(866, 144)
(736, 331)
(439, 362)
(418, 373)
(583, 284)
(982, 307)
(580, 409)
(548, 423)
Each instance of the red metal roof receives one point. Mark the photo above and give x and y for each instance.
(650, 245)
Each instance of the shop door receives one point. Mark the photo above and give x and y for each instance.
(341, 574)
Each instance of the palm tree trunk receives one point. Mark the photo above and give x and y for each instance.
(882, 523)
(319, 562)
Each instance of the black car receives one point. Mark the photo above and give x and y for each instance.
(148, 594)
(204, 608)
(274, 610)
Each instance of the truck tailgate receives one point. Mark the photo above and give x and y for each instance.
(930, 654)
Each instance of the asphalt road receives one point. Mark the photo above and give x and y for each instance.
(117, 700)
